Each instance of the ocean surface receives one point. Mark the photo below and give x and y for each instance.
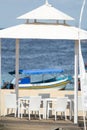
(40, 54)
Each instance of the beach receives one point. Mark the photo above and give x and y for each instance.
(52, 92)
(9, 122)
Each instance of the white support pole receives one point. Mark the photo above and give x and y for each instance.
(46, 2)
(76, 83)
(17, 67)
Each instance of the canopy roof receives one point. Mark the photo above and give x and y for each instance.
(43, 31)
(39, 71)
(46, 12)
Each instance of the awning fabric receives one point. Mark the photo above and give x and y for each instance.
(41, 71)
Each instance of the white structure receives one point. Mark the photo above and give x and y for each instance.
(46, 12)
(36, 30)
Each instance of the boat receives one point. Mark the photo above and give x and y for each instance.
(58, 84)
(57, 80)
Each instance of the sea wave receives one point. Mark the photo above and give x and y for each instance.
(39, 54)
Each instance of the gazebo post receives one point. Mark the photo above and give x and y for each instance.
(76, 83)
(17, 67)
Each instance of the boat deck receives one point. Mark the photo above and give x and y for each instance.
(12, 123)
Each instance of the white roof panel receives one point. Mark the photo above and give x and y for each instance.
(46, 12)
(43, 31)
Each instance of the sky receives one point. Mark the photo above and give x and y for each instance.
(11, 9)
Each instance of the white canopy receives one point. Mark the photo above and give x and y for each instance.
(46, 12)
(46, 31)
(43, 31)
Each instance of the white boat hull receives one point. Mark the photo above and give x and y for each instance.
(60, 84)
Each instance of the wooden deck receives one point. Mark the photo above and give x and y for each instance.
(12, 123)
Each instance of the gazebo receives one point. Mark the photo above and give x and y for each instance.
(51, 28)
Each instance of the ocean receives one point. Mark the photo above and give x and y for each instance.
(40, 54)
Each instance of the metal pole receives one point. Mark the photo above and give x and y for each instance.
(80, 20)
(76, 83)
(46, 2)
(17, 67)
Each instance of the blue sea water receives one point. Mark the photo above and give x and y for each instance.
(40, 54)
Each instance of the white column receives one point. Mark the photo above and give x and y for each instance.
(17, 67)
(76, 83)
